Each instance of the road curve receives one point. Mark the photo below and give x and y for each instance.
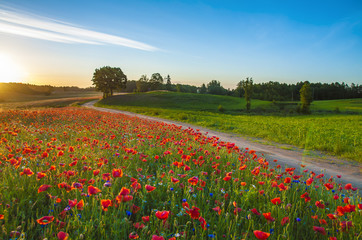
(330, 166)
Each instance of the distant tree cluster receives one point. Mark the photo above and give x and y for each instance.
(270, 91)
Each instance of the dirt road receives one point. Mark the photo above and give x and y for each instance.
(351, 172)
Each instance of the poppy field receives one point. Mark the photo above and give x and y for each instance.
(74, 173)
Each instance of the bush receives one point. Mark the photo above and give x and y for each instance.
(220, 108)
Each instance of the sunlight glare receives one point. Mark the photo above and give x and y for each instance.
(10, 71)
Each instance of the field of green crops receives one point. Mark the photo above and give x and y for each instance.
(336, 134)
(73, 173)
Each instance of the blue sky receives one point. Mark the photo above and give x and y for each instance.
(62, 42)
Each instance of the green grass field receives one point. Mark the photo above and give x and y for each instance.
(14, 100)
(336, 134)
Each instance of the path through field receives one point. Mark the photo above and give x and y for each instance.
(351, 171)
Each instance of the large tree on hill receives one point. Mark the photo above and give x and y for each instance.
(156, 81)
(247, 85)
(306, 97)
(108, 79)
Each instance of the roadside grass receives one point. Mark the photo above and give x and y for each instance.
(336, 134)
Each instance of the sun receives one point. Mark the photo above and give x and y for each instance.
(10, 71)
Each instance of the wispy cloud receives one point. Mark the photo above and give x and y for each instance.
(24, 24)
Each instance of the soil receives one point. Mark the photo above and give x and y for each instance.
(286, 155)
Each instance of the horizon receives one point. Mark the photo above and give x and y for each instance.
(61, 44)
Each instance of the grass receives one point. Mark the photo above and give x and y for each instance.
(95, 175)
(336, 134)
(342, 105)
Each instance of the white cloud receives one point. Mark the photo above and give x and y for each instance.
(38, 27)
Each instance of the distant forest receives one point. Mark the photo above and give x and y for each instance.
(270, 91)
(31, 89)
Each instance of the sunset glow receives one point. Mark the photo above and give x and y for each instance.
(10, 71)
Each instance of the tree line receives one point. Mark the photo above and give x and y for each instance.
(109, 79)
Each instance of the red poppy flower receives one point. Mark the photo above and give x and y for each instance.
(202, 222)
(93, 190)
(27, 171)
(162, 215)
(150, 188)
(124, 191)
(309, 181)
(72, 203)
(106, 203)
(282, 187)
(96, 172)
(328, 186)
(321, 230)
(217, 209)
(174, 180)
(346, 225)
(319, 204)
(284, 220)
(45, 220)
(155, 237)
(117, 173)
(255, 211)
(306, 197)
(43, 188)
(40, 175)
(62, 235)
(138, 225)
(276, 201)
(261, 235)
(348, 186)
(287, 180)
(268, 217)
(80, 205)
(193, 212)
(193, 180)
(242, 167)
(146, 219)
(1, 216)
(332, 216)
(124, 198)
(133, 235)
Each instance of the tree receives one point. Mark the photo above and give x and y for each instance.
(239, 90)
(108, 79)
(247, 85)
(306, 97)
(156, 81)
(168, 83)
(214, 87)
(203, 89)
(142, 84)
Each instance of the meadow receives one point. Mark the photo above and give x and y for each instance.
(73, 173)
(325, 130)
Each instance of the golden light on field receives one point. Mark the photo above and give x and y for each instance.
(10, 71)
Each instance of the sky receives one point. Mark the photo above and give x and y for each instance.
(61, 43)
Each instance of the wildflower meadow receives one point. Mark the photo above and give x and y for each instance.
(74, 173)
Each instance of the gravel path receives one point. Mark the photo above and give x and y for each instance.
(351, 172)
